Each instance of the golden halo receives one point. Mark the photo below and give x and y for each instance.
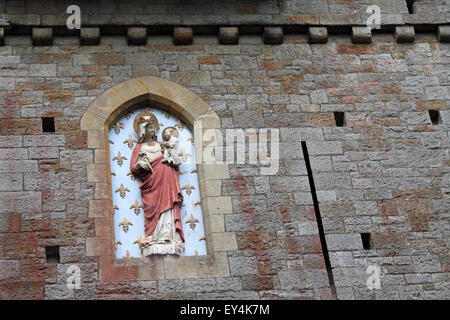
(177, 134)
(145, 114)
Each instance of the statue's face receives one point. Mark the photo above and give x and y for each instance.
(149, 130)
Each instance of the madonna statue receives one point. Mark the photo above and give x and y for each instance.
(160, 190)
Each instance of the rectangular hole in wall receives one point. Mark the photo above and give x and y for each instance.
(435, 117)
(52, 254)
(339, 117)
(410, 5)
(48, 124)
(366, 241)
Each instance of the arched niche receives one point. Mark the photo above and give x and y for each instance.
(189, 108)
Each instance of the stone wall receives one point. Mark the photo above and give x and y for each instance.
(385, 172)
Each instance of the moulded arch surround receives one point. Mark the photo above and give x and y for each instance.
(188, 107)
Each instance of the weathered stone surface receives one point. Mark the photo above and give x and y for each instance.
(182, 36)
(228, 35)
(90, 36)
(137, 36)
(444, 33)
(273, 35)
(42, 36)
(404, 34)
(361, 35)
(317, 34)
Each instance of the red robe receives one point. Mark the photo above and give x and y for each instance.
(160, 191)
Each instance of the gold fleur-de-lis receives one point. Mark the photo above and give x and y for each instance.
(122, 190)
(188, 187)
(113, 173)
(192, 221)
(132, 177)
(179, 124)
(127, 255)
(110, 141)
(191, 139)
(137, 207)
(138, 241)
(196, 252)
(115, 208)
(196, 203)
(202, 238)
(128, 115)
(166, 114)
(119, 159)
(184, 155)
(130, 141)
(124, 224)
(161, 124)
(118, 126)
(193, 170)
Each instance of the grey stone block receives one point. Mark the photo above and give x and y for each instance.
(228, 35)
(342, 242)
(361, 35)
(90, 36)
(317, 35)
(273, 35)
(137, 36)
(443, 34)
(42, 36)
(404, 34)
(183, 36)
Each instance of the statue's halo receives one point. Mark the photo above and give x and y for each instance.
(144, 115)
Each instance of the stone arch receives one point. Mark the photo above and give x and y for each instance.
(189, 107)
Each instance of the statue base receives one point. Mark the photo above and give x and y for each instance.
(163, 248)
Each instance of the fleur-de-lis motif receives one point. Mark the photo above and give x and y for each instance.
(179, 124)
(196, 203)
(128, 115)
(202, 238)
(130, 141)
(110, 141)
(122, 190)
(127, 255)
(125, 223)
(166, 114)
(193, 170)
(115, 244)
(191, 139)
(115, 208)
(120, 159)
(118, 126)
(132, 177)
(196, 252)
(192, 221)
(113, 173)
(188, 187)
(137, 207)
(184, 155)
(138, 241)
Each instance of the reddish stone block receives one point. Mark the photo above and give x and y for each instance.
(21, 290)
(77, 140)
(270, 65)
(37, 269)
(387, 208)
(108, 59)
(373, 133)
(209, 60)
(346, 48)
(103, 227)
(430, 105)
(14, 222)
(96, 70)
(18, 245)
(387, 121)
(415, 205)
(321, 120)
(21, 126)
(109, 272)
(59, 95)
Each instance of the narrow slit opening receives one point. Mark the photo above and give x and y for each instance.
(339, 118)
(366, 241)
(48, 124)
(410, 5)
(52, 254)
(435, 117)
